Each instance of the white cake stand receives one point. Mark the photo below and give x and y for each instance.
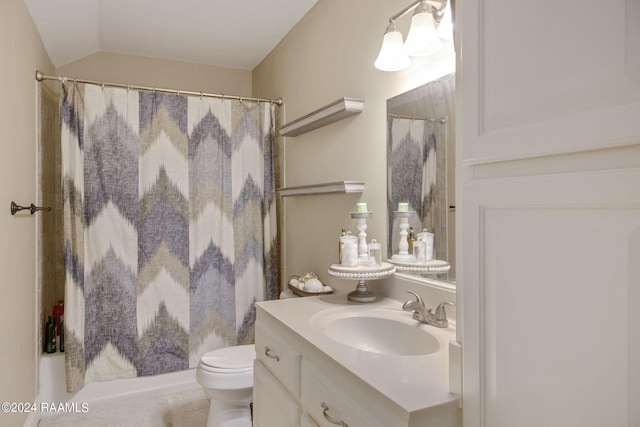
(362, 273)
(429, 267)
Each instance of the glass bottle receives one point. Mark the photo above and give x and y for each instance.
(50, 336)
(410, 239)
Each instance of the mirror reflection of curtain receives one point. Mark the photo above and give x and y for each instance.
(418, 147)
(429, 180)
(407, 161)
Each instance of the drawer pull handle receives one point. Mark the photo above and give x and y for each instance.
(329, 418)
(267, 352)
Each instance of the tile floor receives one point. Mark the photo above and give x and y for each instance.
(187, 408)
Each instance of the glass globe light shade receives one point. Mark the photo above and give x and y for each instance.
(392, 56)
(422, 39)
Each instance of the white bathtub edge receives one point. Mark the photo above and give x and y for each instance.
(52, 385)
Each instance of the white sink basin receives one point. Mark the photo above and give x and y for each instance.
(376, 330)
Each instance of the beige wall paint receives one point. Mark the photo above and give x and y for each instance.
(327, 56)
(152, 72)
(22, 53)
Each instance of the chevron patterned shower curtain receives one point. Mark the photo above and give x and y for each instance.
(169, 227)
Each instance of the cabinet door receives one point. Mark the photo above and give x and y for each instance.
(548, 178)
(279, 357)
(273, 406)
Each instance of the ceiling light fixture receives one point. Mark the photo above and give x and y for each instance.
(422, 39)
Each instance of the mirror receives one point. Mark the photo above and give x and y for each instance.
(421, 165)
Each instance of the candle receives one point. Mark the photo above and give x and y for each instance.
(403, 207)
(361, 207)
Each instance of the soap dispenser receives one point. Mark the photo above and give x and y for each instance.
(58, 312)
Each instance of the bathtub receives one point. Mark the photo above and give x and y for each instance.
(53, 388)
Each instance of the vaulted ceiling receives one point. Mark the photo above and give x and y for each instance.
(226, 33)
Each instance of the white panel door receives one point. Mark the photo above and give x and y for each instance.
(548, 78)
(548, 185)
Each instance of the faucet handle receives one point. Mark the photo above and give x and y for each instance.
(418, 299)
(441, 314)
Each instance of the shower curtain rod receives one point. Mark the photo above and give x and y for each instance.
(442, 120)
(40, 76)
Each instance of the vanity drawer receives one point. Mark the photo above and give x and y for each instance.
(327, 405)
(280, 358)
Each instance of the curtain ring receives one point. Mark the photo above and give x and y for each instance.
(177, 93)
(102, 84)
(201, 95)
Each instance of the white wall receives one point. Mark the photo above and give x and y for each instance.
(21, 52)
(328, 55)
(152, 72)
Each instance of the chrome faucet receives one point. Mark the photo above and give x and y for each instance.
(426, 315)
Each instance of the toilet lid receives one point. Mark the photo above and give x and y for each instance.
(236, 357)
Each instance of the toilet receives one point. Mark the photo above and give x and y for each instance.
(226, 375)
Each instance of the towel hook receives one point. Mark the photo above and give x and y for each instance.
(32, 208)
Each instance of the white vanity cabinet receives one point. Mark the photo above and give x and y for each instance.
(290, 389)
(297, 383)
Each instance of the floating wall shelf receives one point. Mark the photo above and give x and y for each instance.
(346, 187)
(333, 112)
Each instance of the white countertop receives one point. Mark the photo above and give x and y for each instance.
(414, 383)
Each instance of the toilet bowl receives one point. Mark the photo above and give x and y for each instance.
(226, 375)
